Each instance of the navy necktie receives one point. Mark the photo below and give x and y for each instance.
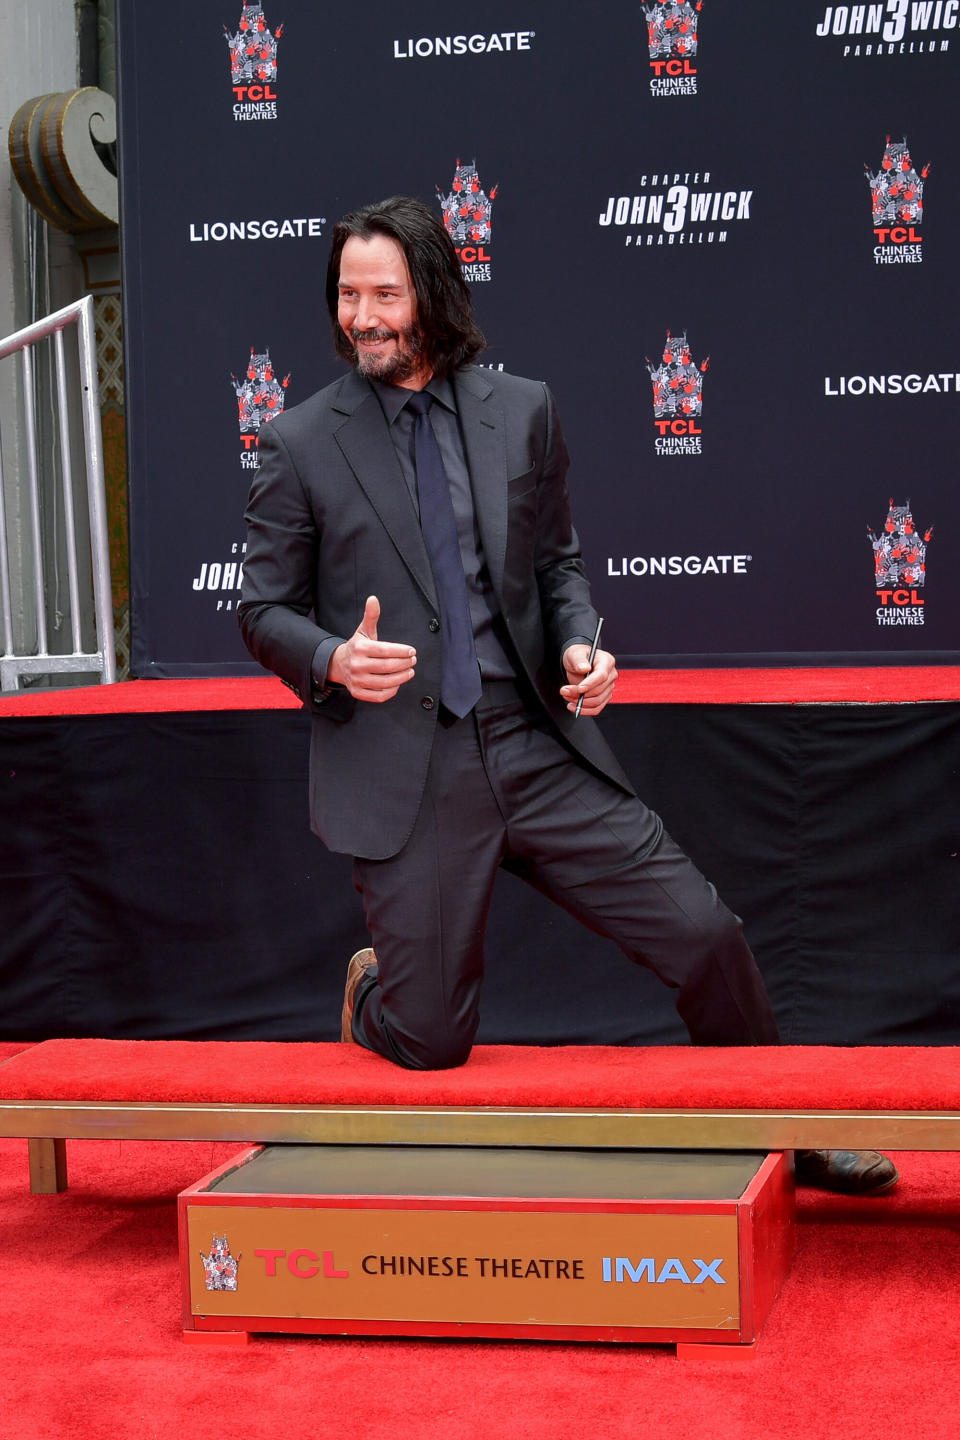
(460, 680)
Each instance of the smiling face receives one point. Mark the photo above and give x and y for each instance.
(377, 311)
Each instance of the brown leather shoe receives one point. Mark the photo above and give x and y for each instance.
(359, 968)
(852, 1172)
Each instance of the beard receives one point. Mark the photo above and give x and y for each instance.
(400, 365)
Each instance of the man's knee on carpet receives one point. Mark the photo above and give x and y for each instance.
(440, 1050)
(422, 1042)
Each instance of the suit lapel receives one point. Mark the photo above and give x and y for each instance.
(364, 438)
(484, 439)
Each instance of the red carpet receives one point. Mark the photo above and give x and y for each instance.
(875, 685)
(11, 1047)
(801, 1076)
(869, 685)
(152, 696)
(862, 1342)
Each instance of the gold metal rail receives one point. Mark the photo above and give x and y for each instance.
(48, 1124)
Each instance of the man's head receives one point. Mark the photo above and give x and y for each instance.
(400, 306)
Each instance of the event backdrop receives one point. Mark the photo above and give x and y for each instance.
(725, 235)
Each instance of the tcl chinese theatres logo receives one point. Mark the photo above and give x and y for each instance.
(253, 65)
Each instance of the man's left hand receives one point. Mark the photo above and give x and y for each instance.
(595, 685)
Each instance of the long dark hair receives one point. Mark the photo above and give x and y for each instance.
(450, 335)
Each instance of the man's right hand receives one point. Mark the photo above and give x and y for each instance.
(371, 669)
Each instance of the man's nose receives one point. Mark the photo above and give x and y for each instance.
(367, 317)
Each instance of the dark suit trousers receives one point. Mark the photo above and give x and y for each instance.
(503, 790)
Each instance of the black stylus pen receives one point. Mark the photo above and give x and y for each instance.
(593, 656)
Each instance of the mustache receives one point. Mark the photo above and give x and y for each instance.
(356, 335)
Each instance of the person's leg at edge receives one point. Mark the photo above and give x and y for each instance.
(426, 910)
(605, 858)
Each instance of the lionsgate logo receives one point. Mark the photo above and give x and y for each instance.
(682, 208)
(303, 227)
(468, 217)
(896, 194)
(900, 567)
(641, 567)
(677, 398)
(672, 41)
(894, 27)
(935, 382)
(433, 47)
(253, 65)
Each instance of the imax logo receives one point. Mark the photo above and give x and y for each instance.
(619, 1269)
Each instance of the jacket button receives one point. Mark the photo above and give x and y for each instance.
(434, 625)
(428, 702)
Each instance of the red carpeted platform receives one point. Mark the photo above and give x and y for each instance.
(863, 685)
(250, 1072)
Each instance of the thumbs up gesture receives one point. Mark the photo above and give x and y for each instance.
(371, 669)
(371, 618)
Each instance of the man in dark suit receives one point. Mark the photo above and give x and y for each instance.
(413, 573)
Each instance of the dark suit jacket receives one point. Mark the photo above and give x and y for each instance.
(331, 521)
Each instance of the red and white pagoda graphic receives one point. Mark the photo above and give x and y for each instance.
(899, 554)
(260, 395)
(897, 189)
(253, 49)
(677, 381)
(467, 210)
(220, 1267)
(672, 29)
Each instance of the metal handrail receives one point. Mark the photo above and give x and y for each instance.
(101, 661)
